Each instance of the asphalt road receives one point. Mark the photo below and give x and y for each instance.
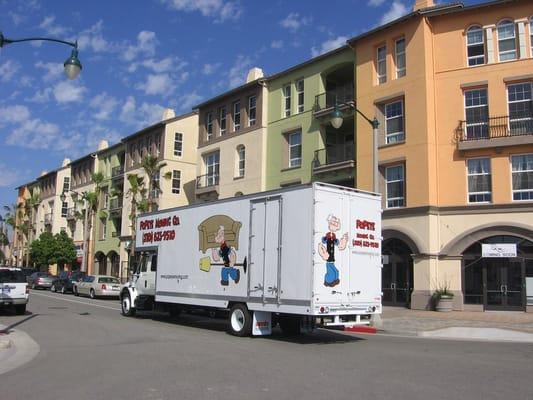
(89, 351)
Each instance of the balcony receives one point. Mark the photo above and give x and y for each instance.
(494, 132)
(207, 184)
(341, 97)
(48, 218)
(334, 163)
(71, 213)
(115, 207)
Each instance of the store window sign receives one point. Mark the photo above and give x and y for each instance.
(498, 250)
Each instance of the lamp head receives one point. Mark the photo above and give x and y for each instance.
(337, 118)
(72, 65)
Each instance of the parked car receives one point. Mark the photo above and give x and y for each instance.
(27, 272)
(13, 289)
(40, 280)
(98, 286)
(64, 283)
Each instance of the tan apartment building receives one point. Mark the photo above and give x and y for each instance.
(232, 141)
(452, 89)
(20, 238)
(173, 140)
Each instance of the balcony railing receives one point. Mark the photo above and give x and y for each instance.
(333, 155)
(117, 172)
(495, 127)
(206, 180)
(48, 218)
(338, 97)
(115, 204)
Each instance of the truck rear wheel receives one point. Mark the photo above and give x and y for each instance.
(126, 306)
(289, 325)
(240, 320)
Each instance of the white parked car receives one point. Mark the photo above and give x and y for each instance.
(98, 286)
(14, 291)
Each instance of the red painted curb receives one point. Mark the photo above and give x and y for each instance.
(361, 329)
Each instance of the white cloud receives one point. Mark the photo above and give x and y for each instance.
(397, 10)
(16, 18)
(92, 38)
(376, 3)
(35, 134)
(220, 10)
(329, 45)
(53, 70)
(104, 105)
(8, 70)
(294, 21)
(209, 69)
(41, 96)
(157, 84)
(67, 92)
(276, 44)
(49, 26)
(146, 44)
(237, 73)
(14, 114)
(164, 65)
(189, 100)
(9, 177)
(144, 115)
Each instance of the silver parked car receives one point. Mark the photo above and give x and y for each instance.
(40, 280)
(97, 286)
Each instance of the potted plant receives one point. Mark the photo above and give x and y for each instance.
(443, 298)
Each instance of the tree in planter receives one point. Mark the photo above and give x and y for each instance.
(43, 250)
(30, 208)
(65, 251)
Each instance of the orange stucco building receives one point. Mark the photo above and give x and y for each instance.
(452, 89)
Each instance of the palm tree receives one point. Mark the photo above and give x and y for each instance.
(30, 207)
(139, 203)
(152, 168)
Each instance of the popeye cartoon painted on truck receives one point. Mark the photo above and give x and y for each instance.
(326, 249)
(220, 233)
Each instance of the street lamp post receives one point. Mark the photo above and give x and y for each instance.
(336, 122)
(72, 64)
(63, 197)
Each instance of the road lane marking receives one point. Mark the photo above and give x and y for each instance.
(74, 301)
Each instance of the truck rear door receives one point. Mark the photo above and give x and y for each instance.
(12, 285)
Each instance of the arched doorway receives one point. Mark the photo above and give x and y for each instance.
(101, 263)
(114, 260)
(497, 283)
(397, 273)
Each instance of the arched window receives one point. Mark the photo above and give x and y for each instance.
(506, 40)
(241, 157)
(475, 45)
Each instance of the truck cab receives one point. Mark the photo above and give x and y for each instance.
(139, 292)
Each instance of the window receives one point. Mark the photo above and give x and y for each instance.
(64, 208)
(394, 124)
(479, 180)
(477, 114)
(475, 46)
(158, 145)
(382, 64)
(222, 120)
(287, 97)
(395, 183)
(520, 109)
(531, 35)
(506, 40)
(295, 149)
(209, 126)
(522, 171)
(300, 95)
(176, 182)
(212, 165)
(251, 110)
(66, 183)
(241, 154)
(103, 229)
(105, 198)
(236, 116)
(400, 58)
(178, 144)
(155, 185)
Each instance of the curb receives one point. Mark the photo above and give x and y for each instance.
(361, 329)
(16, 351)
(5, 344)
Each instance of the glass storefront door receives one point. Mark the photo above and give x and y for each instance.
(504, 285)
(397, 274)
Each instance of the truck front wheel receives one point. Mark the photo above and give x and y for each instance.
(126, 306)
(240, 320)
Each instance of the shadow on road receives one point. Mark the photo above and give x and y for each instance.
(8, 328)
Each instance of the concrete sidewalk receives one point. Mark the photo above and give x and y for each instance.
(16, 348)
(464, 325)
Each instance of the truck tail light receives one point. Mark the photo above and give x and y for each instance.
(27, 289)
(104, 287)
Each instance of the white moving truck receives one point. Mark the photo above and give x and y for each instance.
(286, 256)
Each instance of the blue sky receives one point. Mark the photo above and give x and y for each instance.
(141, 56)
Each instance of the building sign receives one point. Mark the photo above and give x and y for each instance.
(498, 250)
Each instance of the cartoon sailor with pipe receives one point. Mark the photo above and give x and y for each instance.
(326, 249)
(229, 257)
